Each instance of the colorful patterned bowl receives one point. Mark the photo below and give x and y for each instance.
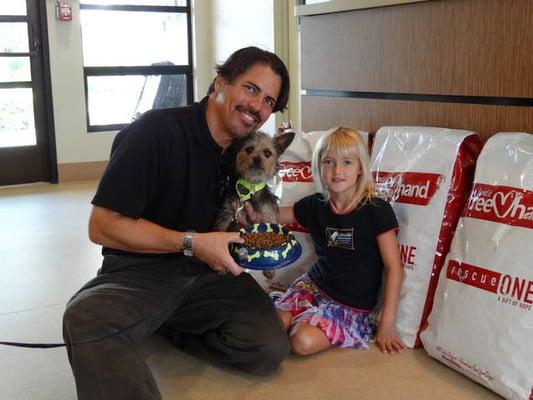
(271, 258)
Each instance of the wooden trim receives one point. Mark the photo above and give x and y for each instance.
(69, 172)
(439, 98)
(458, 64)
(322, 113)
(451, 47)
(328, 7)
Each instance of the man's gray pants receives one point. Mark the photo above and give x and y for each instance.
(225, 320)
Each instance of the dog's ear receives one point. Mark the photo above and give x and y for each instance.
(239, 143)
(230, 155)
(283, 140)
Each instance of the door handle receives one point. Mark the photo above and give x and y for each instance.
(34, 51)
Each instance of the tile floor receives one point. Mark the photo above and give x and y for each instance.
(46, 256)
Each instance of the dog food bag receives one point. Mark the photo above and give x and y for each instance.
(425, 173)
(482, 319)
(296, 182)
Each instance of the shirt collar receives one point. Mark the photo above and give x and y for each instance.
(206, 137)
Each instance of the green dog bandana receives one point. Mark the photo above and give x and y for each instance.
(246, 189)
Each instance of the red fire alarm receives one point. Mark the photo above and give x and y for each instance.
(63, 10)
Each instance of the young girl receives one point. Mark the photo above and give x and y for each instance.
(354, 234)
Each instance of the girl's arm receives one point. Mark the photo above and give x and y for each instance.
(387, 338)
(286, 215)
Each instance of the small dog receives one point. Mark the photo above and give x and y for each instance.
(256, 165)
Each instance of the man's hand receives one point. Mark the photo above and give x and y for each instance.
(213, 249)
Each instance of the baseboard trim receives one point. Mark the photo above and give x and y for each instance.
(85, 171)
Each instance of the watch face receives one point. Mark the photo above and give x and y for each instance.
(187, 244)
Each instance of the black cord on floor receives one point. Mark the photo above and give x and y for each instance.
(118, 332)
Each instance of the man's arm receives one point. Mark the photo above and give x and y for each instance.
(112, 229)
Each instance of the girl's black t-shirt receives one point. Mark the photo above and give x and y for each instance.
(349, 266)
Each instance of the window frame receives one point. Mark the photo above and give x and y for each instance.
(146, 70)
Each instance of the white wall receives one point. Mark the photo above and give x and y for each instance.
(268, 24)
(73, 143)
(220, 27)
(242, 23)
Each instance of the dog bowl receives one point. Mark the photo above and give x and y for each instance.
(267, 258)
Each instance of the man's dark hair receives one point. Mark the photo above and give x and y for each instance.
(240, 61)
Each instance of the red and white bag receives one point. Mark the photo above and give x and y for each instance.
(482, 319)
(297, 182)
(425, 173)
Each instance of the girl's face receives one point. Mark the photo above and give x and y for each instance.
(340, 172)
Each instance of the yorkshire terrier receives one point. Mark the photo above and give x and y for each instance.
(256, 165)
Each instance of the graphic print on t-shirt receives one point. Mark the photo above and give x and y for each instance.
(341, 238)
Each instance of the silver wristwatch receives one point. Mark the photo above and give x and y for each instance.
(187, 243)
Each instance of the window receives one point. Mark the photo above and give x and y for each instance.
(17, 125)
(137, 56)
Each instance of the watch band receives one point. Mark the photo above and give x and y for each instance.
(187, 243)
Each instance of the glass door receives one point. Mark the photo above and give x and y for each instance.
(26, 149)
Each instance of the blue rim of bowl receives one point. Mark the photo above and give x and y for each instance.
(264, 262)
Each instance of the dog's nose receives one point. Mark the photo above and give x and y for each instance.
(257, 161)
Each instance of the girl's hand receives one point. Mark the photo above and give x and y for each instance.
(387, 339)
(246, 215)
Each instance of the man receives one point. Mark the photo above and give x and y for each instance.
(163, 269)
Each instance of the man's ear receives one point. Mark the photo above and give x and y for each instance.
(219, 83)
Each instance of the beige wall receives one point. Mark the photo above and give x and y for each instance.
(73, 143)
(241, 23)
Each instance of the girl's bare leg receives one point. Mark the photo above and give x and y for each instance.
(308, 339)
(286, 318)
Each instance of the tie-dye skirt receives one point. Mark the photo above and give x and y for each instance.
(344, 326)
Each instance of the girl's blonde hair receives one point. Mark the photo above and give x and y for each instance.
(345, 142)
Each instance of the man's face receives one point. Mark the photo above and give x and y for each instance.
(246, 103)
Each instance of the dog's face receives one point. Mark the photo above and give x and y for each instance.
(257, 158)
(256, 161)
